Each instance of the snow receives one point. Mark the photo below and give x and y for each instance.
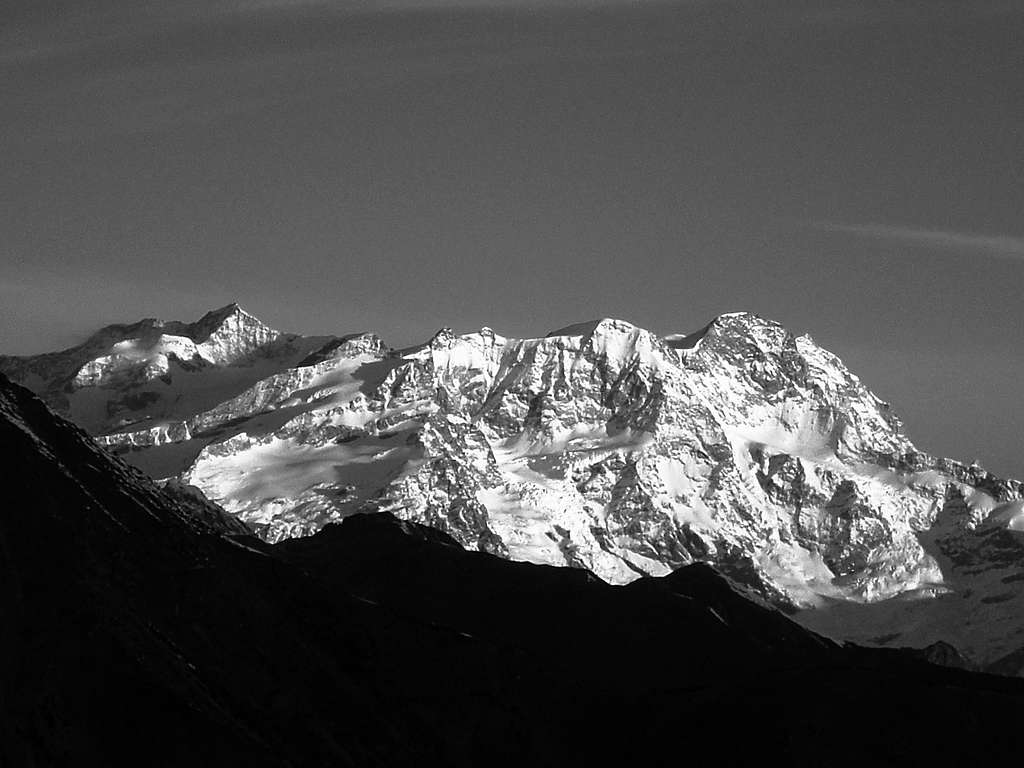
(537, 509)
(801, 572)
(283, 470)
(1009, 516)
(797, 429)
(964, 615)
(474, 351)
(599, 445)
(685, 482)
(187, 394)
(978, 500)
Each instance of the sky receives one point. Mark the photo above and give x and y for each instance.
(851, 169)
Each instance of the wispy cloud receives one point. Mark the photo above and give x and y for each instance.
(999, 246)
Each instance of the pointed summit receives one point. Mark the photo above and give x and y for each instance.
(229, 334)
(223, 313)
(215, 318)
(442, 339)
(228, 309)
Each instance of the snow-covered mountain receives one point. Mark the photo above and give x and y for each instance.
(601, 445)
(137, 623)
(124, 376)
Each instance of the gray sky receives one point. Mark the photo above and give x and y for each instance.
(852, 169)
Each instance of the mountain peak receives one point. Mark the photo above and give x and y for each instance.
(742, 315)
(745, 322)
(228, 310)
(229, 334)
(443, 338)
(143, 366)
(216, 318)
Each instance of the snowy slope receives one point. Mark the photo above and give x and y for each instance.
(605, 446)
(153, 373)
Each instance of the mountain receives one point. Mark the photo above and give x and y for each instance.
(607, 447)
(136, 631)
(124, 376)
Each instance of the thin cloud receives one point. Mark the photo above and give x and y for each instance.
(1000, 246)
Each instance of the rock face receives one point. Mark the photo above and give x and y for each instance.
(606, 447)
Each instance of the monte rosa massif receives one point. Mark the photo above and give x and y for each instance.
(600, 446)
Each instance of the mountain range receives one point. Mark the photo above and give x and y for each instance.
(143, 626)
(600, 446)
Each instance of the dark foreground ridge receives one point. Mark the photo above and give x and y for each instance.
(134, 630)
